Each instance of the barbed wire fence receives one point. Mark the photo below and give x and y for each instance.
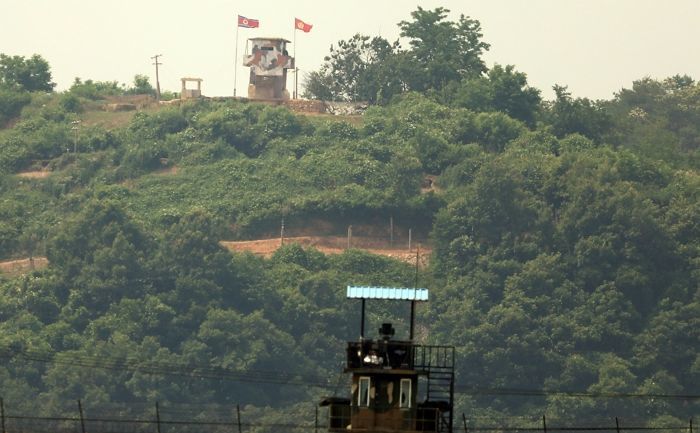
(159, 418)
(528, 424)
(189, 418)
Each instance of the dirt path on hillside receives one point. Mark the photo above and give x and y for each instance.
(331, 245)
(266, 247)
(22, 266)
(38, 174)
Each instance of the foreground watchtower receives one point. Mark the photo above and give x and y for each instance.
(385, 395)
(268, 62)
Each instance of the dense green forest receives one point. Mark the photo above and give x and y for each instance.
(565, 236)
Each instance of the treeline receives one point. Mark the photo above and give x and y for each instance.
(566, 240)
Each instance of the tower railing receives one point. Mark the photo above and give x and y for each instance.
(399, 355)
(433, 357)
(380, 354)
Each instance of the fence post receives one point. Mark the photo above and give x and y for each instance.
(544, 423)
(2, 415)
(691, 423)
(349, 235)
(282, 233)
(464, 420)
(157, 418)
(82, 418)
(617, 425)
(238, 416)
(391, 231)
(316, 420)
(409, 239)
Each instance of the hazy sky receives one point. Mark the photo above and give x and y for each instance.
(596, 47)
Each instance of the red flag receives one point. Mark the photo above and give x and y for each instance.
(301, 25)
(248, 23)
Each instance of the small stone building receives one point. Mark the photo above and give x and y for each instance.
(186, 93)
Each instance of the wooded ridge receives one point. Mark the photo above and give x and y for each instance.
(565, 238)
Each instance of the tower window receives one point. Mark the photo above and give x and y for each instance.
(405, 394)
(363, 396)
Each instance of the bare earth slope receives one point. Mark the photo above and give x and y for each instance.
(331, 245)
(22, 266)
(266, 247)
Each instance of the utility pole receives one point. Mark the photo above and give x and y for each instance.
(155, 62)
(391, 231)
(282, 234)
(82, 417)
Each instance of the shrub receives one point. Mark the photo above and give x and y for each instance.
(11, 104)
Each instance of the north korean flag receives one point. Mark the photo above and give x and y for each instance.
(301, 25)
(248, 23)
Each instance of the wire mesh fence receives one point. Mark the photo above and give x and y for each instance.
(525, 425)
(156, 418)
(184, 418)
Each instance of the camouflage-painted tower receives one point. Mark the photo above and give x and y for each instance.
(396, 386)
(268, 61)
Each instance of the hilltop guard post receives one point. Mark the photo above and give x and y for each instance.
(268, 62)
(186, 93)
(384, 395)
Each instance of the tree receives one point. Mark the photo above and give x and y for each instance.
(658, 118)
(442, 51)
(319, 85)
(256, 344)
(432, 151)
(101, 224)
(357, 70)
(374, 70)
(580, 115)
(11, 103)
(96, 89)
(505, 90)
(142, 86)
(31, 75)
(670, 341)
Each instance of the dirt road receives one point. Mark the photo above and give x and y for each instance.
(330, 245)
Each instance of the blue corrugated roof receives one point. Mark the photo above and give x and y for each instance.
(399, 293)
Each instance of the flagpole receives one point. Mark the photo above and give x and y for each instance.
(235, 62)
(296, 70)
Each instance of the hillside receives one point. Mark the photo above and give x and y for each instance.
(564, 251)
